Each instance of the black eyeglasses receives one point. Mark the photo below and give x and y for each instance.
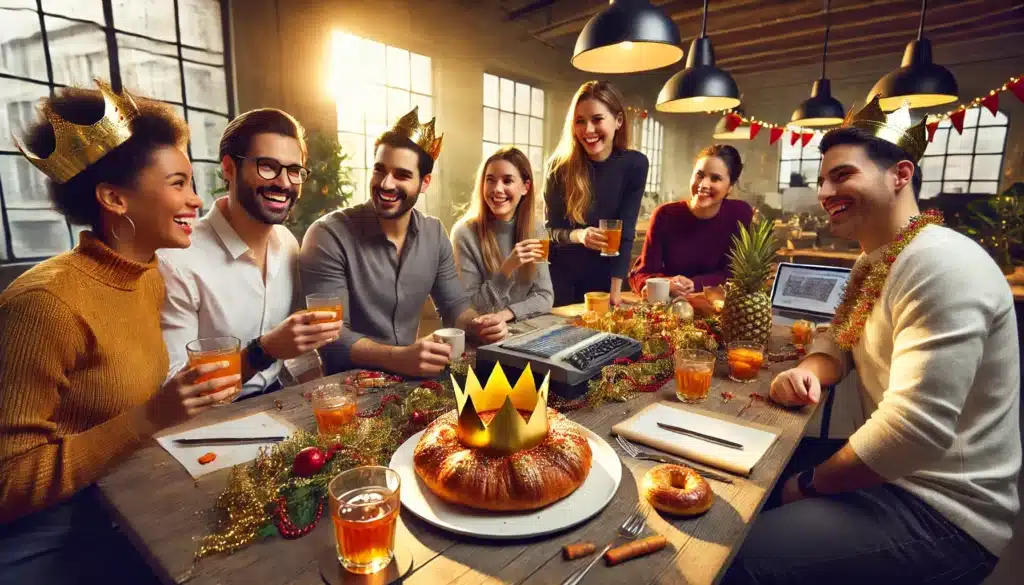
(269, 169)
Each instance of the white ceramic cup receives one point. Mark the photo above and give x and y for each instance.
(456, 338)
(658, 290)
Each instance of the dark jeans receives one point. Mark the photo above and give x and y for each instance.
(877, 536)
(72, 543)
(576, 271)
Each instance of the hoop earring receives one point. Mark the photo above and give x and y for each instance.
(130, 222)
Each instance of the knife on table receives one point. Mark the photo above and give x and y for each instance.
(701, 436)
(228, 440)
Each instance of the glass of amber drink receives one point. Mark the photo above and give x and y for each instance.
(745, 359)
(325, 302)
(364, 508)
(612, 229)
(598, 302)
(803, 332)
(334, 406)
(694, 370)
(216, 349)
(545, 250)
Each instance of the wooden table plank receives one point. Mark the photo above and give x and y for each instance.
(163, 510)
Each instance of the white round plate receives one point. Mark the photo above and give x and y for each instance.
(588, 499)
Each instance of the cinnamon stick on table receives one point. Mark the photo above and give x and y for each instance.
(634, 549)
(580, 549)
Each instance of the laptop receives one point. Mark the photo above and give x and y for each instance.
(807, 291)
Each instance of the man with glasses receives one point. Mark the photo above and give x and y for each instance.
(239, 277)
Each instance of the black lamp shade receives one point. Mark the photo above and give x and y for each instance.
(918, 81)
(627, 37)
(701, 87)
(821, 109)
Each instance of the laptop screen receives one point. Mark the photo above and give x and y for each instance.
(808, 288)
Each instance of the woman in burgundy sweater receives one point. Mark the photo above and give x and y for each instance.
(689, 240)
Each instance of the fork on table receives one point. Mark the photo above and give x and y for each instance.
(635, 452)
(630, 529)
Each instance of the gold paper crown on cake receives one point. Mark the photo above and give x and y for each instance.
(896, 128)
(507, 431)
(77, 146)
(421, 134)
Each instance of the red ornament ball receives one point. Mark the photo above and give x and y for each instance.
(419, 417)
(309, 461)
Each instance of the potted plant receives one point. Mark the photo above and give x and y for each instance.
(997, 224)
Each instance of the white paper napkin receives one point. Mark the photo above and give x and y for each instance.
(256, 425)
(643, 428)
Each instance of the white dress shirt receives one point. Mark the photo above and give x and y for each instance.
(215, 288)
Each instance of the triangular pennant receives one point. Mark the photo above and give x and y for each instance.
(805, 139)
(793, 137)
(991, 102)
(957, 118)
(754, 129)
(931, 130)
(774, 134)
(1017, 87)
(732, 121)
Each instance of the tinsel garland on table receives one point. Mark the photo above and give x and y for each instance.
(268, 496)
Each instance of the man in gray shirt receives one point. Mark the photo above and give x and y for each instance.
(385, 258)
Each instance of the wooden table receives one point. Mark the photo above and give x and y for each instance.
(162, 509)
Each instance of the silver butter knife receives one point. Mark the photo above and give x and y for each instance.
(702, 436)
(229, 440)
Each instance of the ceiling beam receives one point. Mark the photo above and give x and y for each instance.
(528, 9)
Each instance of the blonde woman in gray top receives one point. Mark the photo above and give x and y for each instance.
(496, 244)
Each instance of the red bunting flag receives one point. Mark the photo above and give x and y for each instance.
(793, 137)
(754, 129)
(991, 102)
(732, 121)
(805, 139)
(1017, 87)
(957, 118)
(774, 134)
(931, 130)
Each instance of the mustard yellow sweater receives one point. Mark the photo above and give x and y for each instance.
(80, 345)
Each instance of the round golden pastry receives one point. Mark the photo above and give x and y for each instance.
(525, 480)
(676, 489)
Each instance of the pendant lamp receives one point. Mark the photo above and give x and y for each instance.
(919, 82)
(627, 37)
(821, 109)
(701, 87)
(740, 132)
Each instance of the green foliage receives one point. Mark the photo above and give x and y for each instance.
(997, 224)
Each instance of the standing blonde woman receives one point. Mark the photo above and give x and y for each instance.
(496, 245)
(592, 176)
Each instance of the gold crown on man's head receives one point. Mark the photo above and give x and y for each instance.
(507, 431)
(896, 128)
(76, 146)
(421, 134)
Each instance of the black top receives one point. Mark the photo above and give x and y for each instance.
(618, 184)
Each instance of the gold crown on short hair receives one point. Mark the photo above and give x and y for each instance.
(78, 146)
(421, 134)
(895, 128)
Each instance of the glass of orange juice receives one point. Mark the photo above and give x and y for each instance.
(745, 360)
(612, 229)
(364, 504)
(598, 302)
(334, 406)
(216, 349)
(325, 302)
(803, 332)
(545, 250)
(694, 370)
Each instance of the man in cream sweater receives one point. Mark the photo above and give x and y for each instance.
(925, 490)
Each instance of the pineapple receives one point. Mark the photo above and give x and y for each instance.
(747, 314)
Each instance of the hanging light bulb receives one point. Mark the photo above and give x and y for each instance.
(627, 37)
(821, 109)
(701, 87)
(919, 82)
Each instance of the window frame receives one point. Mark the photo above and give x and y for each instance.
(488, 147)
(655, 153)
(813, 146)
(947, 125)
(111, 33)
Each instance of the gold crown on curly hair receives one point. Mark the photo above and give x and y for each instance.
(896, 128)
(77, 146)
(507, 431)
(421, 134)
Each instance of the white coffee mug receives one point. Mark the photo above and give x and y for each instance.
(658, 290)
(456, 338)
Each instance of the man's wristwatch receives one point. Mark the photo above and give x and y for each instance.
(805, 482)
(257, 357)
